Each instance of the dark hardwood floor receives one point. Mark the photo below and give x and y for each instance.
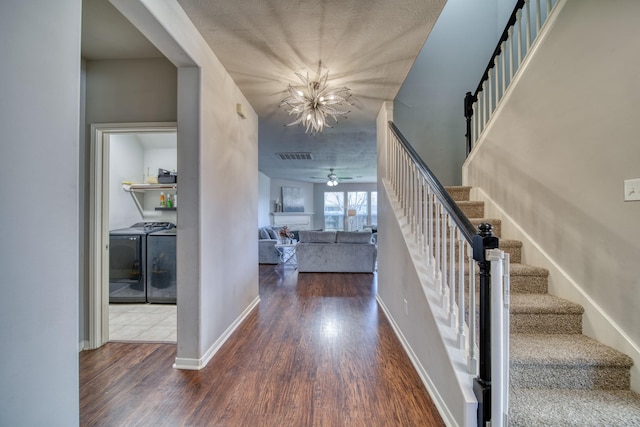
(317, 351)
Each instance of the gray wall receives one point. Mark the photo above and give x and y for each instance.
(556, 158)
(39, 122)
(429, 106)
(121, 91)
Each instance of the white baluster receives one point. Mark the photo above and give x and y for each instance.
(538, 17)
(519, 22)
(443, 256)
(503, 63)
(452, 274)
(461, 322)
(436, 244)
(511, 55)
(527, 5)
(497, 93)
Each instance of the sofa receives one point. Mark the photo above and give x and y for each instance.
(336, 252)
(267, 252)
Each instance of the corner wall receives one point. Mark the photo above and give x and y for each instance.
(218, 164)
(556, 157)
(39, 188)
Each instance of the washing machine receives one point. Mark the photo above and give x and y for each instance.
(127, 261)
(161, 266)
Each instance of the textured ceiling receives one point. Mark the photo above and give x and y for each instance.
(366, 45)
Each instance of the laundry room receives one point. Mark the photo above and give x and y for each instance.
(143, 206)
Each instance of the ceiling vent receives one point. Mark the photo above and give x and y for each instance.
(294, 156)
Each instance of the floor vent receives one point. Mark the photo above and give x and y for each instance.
(294, 156)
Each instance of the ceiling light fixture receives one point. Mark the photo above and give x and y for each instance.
(333, 179)
(314, 102)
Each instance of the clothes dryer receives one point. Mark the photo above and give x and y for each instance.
(161, 266)
(127, 261)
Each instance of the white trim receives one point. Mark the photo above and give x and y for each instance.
(544, 32)
(197, 364)
(82, 345)
(99, 228)
(600, 325)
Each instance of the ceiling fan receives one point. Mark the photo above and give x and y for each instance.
(332, 178)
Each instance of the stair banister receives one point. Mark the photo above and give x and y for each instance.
(432, 215)
(515, 42)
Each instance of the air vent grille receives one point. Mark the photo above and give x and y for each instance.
(294, 156)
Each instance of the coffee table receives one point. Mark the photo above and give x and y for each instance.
(287, 253)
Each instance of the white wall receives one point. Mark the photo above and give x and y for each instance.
(218, 177)
(39, 122)
(428, 109)
(307, 188)
(556, 157)
(265, 205)
(126, 157)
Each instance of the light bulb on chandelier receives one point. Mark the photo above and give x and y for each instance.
(314, 101)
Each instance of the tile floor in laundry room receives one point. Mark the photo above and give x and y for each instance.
(143, 322)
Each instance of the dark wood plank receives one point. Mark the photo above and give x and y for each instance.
(317, 351)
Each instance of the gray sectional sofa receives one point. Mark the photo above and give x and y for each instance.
(267, 252)
(336, 252)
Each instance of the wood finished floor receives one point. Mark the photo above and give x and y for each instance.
(317, 351)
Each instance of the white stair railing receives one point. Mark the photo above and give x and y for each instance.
(450, 247)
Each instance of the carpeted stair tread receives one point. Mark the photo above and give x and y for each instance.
(518, 269)
(575, 408)
(571, 361)
(564, 349)
(543, 304)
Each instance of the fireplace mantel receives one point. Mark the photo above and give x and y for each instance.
(293, 220)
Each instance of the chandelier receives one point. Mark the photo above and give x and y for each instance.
(314, 102)
(333, 179)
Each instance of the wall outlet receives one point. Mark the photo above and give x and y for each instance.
(631, 189)
(406, 308)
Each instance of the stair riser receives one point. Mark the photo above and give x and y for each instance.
(569, 377)
(458, 193)
(529, 284)
(522, 284)
(546, 323)
(472, 209)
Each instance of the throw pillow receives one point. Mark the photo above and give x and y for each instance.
(264, 234)
(353, 237)
(272, 233)
(317, 236)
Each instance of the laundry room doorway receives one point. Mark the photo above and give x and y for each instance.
(133, 266)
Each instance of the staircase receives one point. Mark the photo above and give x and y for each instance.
(558, 377)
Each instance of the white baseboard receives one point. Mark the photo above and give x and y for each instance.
(441, 405)
(597, 324)
(83, 344)
(197, 364)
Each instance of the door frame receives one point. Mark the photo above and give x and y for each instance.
(99, 221)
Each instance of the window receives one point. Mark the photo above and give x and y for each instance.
(334, 210)
(359, 211)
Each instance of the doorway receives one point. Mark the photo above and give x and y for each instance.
(123, 146)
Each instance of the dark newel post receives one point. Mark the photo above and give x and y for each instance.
(468, 113)
(482, 241)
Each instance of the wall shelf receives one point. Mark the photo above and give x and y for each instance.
(136, 189)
